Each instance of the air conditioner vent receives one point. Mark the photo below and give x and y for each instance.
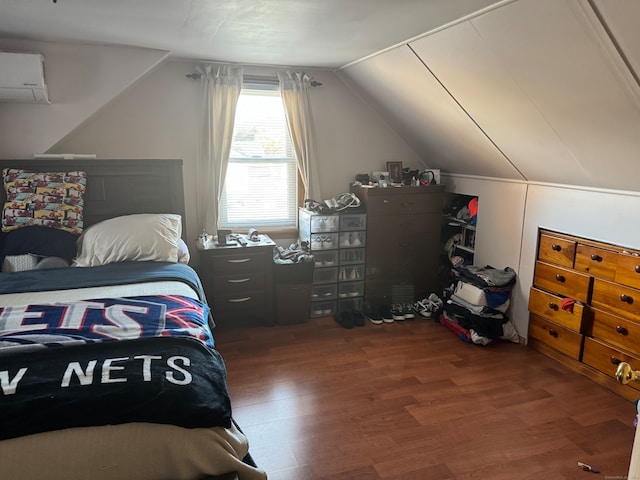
(22, 78)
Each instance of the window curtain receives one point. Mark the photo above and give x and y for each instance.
(221, 86)
(295, 89)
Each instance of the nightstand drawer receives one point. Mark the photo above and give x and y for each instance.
(237, 304)
(232, 284)
(236, 263)
(596, 261)
(563, 281)
(550, 306)
(556, 336)
(615, 298)
(606, 359)
(615, 330)
(556, 250)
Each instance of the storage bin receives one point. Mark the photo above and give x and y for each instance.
(351, 256)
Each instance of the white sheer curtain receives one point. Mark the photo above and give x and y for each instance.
(221, 86)
(295, 89)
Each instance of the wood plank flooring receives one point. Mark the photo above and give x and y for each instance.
(411, 401)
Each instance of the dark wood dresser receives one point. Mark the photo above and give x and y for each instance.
(403, 240)
(585, 306)
(238, 281)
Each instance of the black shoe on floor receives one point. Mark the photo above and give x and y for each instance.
(358, 318)
(345, 319)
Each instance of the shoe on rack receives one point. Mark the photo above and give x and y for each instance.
(345, 319)
(387, 316)
(316, 243)
(358, 318)
(397, 312)
(423, 308)
(407, 309)
(374, 315)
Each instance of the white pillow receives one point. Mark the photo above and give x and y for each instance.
(140, 237)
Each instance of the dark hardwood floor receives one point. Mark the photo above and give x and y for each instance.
(411, 401)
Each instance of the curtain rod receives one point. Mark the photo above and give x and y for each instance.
(254, 79)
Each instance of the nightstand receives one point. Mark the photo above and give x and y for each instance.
(238, 281)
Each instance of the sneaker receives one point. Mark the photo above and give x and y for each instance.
(387, 316)
(423, 308)
(436, 303)
(316, 243)
(407, 309)
(358, 318)
(374, 315)
(397, 312)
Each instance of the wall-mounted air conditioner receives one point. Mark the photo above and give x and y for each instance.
(22, 78)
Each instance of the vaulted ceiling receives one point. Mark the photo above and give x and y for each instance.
(534, 90)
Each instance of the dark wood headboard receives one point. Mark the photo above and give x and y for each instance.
(119, 187)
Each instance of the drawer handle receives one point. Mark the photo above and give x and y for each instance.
(633, 254)
(637, 268)
(239, 260)
(553, 333)
(621, 330)
(555, 247)
(560, 278)
(239, 280)
(596, 258)
(626, 299)
(614, 360)
(239, 300)
(553, 306)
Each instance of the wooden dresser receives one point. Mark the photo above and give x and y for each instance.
(238, 282)
(403, 239)
(584, 306)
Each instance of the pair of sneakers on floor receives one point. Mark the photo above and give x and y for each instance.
(397, 312)
(428, 307)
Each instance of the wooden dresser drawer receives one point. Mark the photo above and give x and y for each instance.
(550, 306)
(596, 261)
(400, 204)
(563, 281)
(616, 298)
(628, 271)
(606, 359)
(556, 336)
(241, 262)
(233, 284)
(556, 250)
(616, 331)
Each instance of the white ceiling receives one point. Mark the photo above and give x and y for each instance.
(311, 33)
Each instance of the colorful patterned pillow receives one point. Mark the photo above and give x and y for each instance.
(50, 199)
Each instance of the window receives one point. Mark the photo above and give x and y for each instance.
(261, 187)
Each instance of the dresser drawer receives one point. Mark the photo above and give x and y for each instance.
(606, 359)
(234, 284)
(615, 298)
(616, 331)
(628, 271)
(596, 261)
(241, 262)
(400, 204)
(550, 306)
(563, 281)
(402, 226)
(556, 336)
(556, 250)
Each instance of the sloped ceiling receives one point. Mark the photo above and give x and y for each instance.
(538, 90)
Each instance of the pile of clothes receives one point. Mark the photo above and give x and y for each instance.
(476, 310)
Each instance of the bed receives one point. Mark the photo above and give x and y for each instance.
(108, 366)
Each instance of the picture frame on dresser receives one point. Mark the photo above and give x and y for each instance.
(395, 171)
